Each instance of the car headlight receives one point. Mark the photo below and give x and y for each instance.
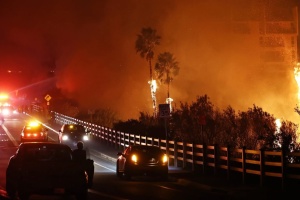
(65, 137)
(134, 158)
(85, 138)
(165, 158)
(5, 112)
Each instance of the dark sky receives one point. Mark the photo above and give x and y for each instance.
(92, 43)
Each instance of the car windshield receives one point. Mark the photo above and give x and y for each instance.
(75, 128)
(146, 149)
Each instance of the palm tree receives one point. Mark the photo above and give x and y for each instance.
(145, 44)
(166, 68)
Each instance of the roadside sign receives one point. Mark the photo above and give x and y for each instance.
(47, 97)
(164, 110)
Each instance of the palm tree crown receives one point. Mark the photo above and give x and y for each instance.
(145, 44)
(166, 68)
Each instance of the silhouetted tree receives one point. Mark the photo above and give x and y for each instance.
(288, 135)
(257, 129)
(146, 41)
(166, 68)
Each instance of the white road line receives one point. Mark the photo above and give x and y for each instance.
(10, 136)
(167, 188)
(105, 167)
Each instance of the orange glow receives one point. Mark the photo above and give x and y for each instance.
(297, 77)
(33, 123)
(3, 96)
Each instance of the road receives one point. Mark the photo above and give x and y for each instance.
(106, 184)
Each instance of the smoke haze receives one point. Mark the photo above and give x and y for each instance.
(92, 45)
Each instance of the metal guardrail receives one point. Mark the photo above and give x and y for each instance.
(205, 158)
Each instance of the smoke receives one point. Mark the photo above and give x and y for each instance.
(91, 44)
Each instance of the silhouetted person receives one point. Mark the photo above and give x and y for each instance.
(79, 154)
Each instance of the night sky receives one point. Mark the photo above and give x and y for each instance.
(91, 44)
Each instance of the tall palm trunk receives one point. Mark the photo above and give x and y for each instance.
(153, 91)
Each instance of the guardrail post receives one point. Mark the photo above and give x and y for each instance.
(283, 165)
(244, 165)
(167, 146)
(193, 157)
(216, 159)
(119, 139)
(140, 142)
(159, 142)
(262, 166)
(204, 158)
(184, 155)
(175, 154)
(124, 145)
(228, 154)
(115, 138)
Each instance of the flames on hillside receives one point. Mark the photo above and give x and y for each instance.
(297, 77)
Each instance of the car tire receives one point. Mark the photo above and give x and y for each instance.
(11, 190)
(128, 176)
(83, 195)
(119, 174)
(23, 195)
(164, 176)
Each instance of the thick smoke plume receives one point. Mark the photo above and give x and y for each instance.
(91, 44)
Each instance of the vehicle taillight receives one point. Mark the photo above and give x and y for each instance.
(134, 158)
(165, 158)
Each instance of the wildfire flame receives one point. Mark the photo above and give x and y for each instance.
(297, 77)
(153, 87)
(278, 125)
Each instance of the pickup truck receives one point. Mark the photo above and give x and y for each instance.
(46, 168)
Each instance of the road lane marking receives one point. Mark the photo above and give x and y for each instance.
(105, 167)
(167, 188)
(105, 195)
(10, 135)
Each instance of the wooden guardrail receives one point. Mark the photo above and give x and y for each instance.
(203, 158)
